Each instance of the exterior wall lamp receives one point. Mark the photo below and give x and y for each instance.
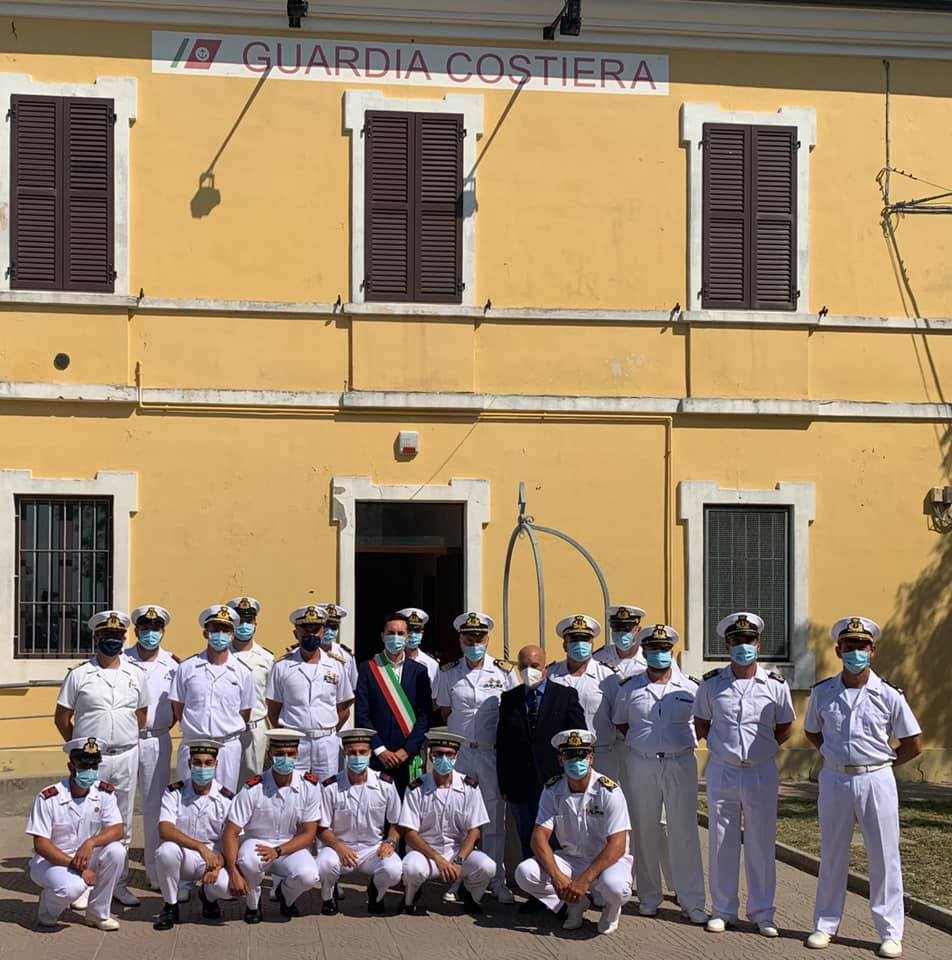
(296, 10)
(569, 21)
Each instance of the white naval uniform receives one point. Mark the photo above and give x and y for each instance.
(273, 815)
(309, 694)
(68, 823)
(358, 814)
(202, 818)
(212, 699)
(443, 816)
(627, 667)
(742, 782)
(104, 704)
(472, 696)
(597, 686)
(254, 744)
(661, 772)
(856, 728)
(582, 824)
(155, 745)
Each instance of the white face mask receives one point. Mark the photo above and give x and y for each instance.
(531, 676)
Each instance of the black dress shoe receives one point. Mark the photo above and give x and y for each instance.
(531, 906)
(469, 904)
(415, 909)
(329, 908)
(252, 916)
(211, 909)
(167, 918)
(374, 905)
(287, 910)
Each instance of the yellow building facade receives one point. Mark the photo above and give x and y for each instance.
(241, 412)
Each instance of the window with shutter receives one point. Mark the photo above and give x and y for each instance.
(62, 194)
(413, 230)
(749, 230)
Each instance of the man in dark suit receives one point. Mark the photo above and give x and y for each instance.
(529, 716)
(394, 698)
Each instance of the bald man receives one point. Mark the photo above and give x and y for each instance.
(529, 716)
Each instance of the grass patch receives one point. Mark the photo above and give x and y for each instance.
(925, 839)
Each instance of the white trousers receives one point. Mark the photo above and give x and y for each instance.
(296, 871)
(670, 783)
(174, 863)
(747, 794)
(122, 771)
(320, 757)
(229, 763)
(607, 762)
(475, 874)
(482, 765)
(155, 761)
(61, 886)
(870, 799)
(254, 746)
(386, 871)
(612, 886)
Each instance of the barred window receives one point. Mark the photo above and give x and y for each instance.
(64, 573)
(747, 567)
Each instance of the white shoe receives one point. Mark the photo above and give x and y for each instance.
(82, 901)
(645, 911)
(108, 923)
(890, 948)
(274, 891)
(818, 940)
(449, 896)
(125, 896)
(575, 915)
(608, 921)
(716, 925)
(44, 919)
(767, 930)
(696, 916)
(502, 893)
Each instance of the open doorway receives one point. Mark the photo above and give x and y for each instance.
(409, 555)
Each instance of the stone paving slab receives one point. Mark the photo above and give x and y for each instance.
(446, 934)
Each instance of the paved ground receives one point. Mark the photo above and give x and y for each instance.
(444, 934)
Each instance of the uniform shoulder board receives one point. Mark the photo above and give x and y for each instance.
(776, 676)
(135, 663)
(49, 793)
(291, 649)
(329, 781)
(106, 787)
(385, 777)
(610, 666)
(334, 656)
(312, 779)
(177, 659)
(247, 666)
(470, 781)
(177, 785)
(254, 781)
(888, 684)
(623, 681)
(416, 783)
(270, 653)
(607, 783)
(552, 781)
(226, 793)
(824, 680)
(712, 673)
(449, 666)
(506, 665)
(345, 648)
(694, 680)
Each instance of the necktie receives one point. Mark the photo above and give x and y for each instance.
(532, 708)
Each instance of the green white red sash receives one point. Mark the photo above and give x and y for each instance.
(393, 693)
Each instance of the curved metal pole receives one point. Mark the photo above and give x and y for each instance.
(540, 582)
(505, 591)
(524, 527)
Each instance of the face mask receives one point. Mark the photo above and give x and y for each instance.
(579, 650)
(414, 640)
(474, 653)
(283, 765)
(219, 641)
(330, 635)
(624, 640)
(358, 764)
(202, 775)
(310, 642)
(531, 677)
(856, 661)
(743, 654)
(576, 769)
(658, 659)
(150, 639)
(86, 778)
(394, 643)
(110, 648)
(245, 631)
(444, 765)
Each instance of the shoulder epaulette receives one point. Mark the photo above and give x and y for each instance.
(270, 653)
(106, 787)
(334, 656)
(623, 681)
(49, 793)
(776, 676)
(177, 785)
(345, 648)
(825, 680)
(607, 783)
(449, 666)
(291, 649)
(470, 781)
(507, 665)
(415, 784)
(312, 779)
(247, 666)
(552, 781)
(329, 781)
(888, 684)
(694, 680)
(254, 781)
(176, 658)
(610, 666)
(385, 777)
(712, 673)
(226, 793)
(134, 663)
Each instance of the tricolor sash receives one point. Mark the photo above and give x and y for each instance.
(397, 701)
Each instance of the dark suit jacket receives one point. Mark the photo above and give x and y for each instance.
(524, 759)
(371, 710)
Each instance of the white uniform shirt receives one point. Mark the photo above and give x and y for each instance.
(309, 692)
(443, 816)
(259, 661)
(274, 814)
(859, 734)
(597, 687)
(350, 662)
(629, 667)
(583, 822)
(473, 696)
(212, 697)
(358, 814)
(660, 718)
(199, 817)
(743, 715)
(159, 674)
(104, 702)
(432, 667)
(68, 823)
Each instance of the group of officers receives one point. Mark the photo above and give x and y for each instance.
(317, 801)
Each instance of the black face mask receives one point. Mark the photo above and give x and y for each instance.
(109, 647)
(310, 642)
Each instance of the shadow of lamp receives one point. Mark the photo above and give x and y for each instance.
(206, 198)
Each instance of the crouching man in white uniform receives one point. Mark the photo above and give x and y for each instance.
(442, 815)
(589, 816)
(358, 828)
(278, 812)
(77, 839)
(190, 827)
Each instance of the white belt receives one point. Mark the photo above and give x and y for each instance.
(228, 736)
(153, 734)
(319, 734)
(852, 769)
(113, 751)
(743, 763)
(662, 755)
(256, 723)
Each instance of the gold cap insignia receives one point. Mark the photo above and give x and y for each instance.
(152, 614)
(622, 613)
(245, 604)
(332, 613)
(414, 620)
(574, 740)
(856, 624)
(472, 620)
(741, 625)
(91, 746)
(310, 616)
(112, 622)
(580, 623)
(660, 633)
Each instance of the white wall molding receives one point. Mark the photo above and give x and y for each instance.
(347, 492)
(693, 496)
(356, 105)
(123, 91)
(123, 488)
(67, 392)
(693, 118)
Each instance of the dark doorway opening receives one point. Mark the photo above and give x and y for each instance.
(409, 555)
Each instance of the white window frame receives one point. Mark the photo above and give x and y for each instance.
(356, 105)
(693, 118)
(349, 491)
(123, 91)
(123, 488)
(693, 496)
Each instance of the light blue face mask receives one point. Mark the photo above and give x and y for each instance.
(579, 650)
(474, 654)
(394, 643)
(658, 659)
(219, 641)
(202, 775)
(358, 764)
(856, 661)
(283, 765)
(624, 640)
(149, 639)
(86, 778)
(330, 635)
(444, 765)
(414, 639)
(743, 654)
(245, 631)
(576, 768)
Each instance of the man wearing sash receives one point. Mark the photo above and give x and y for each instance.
(394, 698)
